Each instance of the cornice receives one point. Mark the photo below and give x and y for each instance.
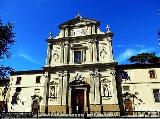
(26, 72)
(92, 36)
(82, 66)
(137, 66)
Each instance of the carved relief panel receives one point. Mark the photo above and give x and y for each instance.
(103, 52)
(55, 54)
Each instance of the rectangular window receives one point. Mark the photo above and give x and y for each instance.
(77, 57)
(152, 74)
(18, 80)
(126, 88)
(38, 79)
(36, 90)
(156, 95)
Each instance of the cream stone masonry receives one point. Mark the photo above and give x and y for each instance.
(78, 74)
(21, 93)
(139, 86)
(80, 56)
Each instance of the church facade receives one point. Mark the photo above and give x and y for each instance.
(80, 75)
(80, 69)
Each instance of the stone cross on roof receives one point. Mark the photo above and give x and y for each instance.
(78, 15)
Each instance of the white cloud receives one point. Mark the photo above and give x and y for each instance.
(120, 46)
(29, 58)
(130, 52)
(131, 45)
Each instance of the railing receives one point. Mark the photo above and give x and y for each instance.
(85, 115)
(16, 114)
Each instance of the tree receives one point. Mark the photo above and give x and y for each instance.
(145, 58)
(6, 40)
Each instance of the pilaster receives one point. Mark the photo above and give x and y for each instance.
(46, 88)
(114, 89)
(97, 87)
(92, 89)
(62, 52)
(64, 92)
(91, 50)
(95, 50)
(110, 48)
(60, 89)
(93, 29)
(66, 32)
(49, 53)
(84, 56)
(66, 53)
(72, 56)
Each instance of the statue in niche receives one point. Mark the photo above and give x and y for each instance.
(106, 90)
(52, 91)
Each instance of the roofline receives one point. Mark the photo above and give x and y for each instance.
(137, 66)
(77, 18)
(5, 79)
(27, 72)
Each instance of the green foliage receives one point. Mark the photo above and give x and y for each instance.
(145, 58)
(6, 40)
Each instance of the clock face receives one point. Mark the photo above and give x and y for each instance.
(78, 32)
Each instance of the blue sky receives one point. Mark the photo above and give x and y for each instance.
(134, 22)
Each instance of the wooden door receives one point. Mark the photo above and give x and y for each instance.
(128, 107)
(2, 106)
(78, 100)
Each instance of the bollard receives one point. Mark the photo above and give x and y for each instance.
(37, 114)
(85, 115)
(101, 109)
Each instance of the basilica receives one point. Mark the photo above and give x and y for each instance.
(80, 75)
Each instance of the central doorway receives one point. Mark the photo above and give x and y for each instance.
(77, 101)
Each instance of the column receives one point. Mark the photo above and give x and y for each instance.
(90, 30)
(69, 100)
(66, 32)
(84, 55)
(72, 56)
(49, 54)
(66, 53)
(46, 89)
(110, 48)
(97, 87)
(95, 50)
(92, 89)
(64, 92)
(62, 53)
(91, 50)
(93, 29)
(60, 89)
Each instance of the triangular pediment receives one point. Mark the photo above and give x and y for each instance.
(79, 21)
